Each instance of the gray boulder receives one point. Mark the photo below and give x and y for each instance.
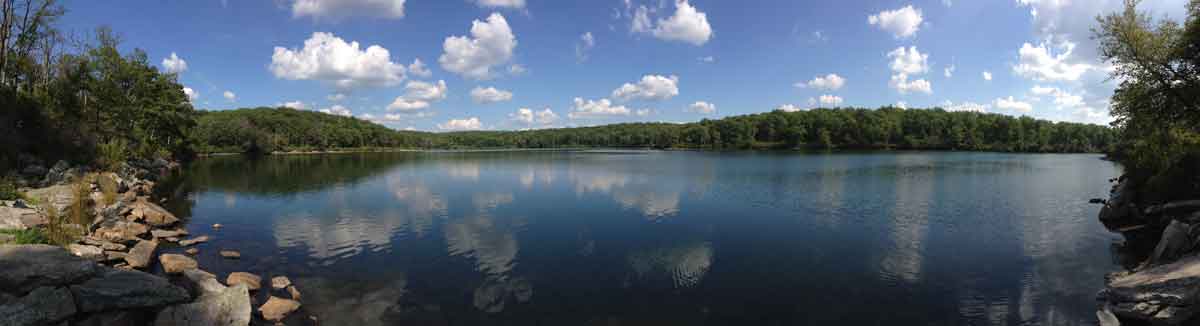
(226, 307)
(121, 289)
(43, 306)
(26, 267)
(114, 318)
(1165, 294)
(12, 218)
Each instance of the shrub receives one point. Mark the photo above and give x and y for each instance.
(112, 153)
(108, 187)
(28, 236)
(8, 190)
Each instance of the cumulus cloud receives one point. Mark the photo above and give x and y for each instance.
(174, 64)
(338, 110)
(491, 43)
(830, 82)
(490, 95)
(1040, 64)
(966, 106)
(527, 116)
(987, 75)
(461, 124)
(788, 108)
(597, 108)
(1062, 99)
(419, 95)
(336, 10)
(650, 88)
(192, 94)
(298, 105)
(328, 58)
(830, 100)
(383, 118)
(418, 68)
(686, 25)
(905, 62)
(1012, 104)
(902, 23)
(586, 43)
(230, 96)
(701, 107)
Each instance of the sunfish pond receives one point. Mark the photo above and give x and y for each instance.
(662, 237)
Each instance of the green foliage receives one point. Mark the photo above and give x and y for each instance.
(8, 190)
(1157, 104)
(265, 130)
(111, 154)
(28, 236)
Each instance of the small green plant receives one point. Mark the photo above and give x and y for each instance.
(108, 187)
(28, 236)
(112, 153)
(8, 190)
(60, 229)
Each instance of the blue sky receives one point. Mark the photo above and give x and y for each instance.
(516, 64)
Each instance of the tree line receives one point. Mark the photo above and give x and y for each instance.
(285, 129)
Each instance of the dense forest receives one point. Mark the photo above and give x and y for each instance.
(267, 129)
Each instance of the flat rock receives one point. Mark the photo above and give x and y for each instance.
(160, 233)
(43, 306)
(1160, 294)
(59, 196)
(226, 307)
(277, 308)
(106, 245)
(86, 252)
(252, 282)
(152, 213)
(140, 255)
(122, 289)
(175, 264)
(12, 218)
(280, 282)
(26, 267)
(231, 254)
(117, 230)
(192, 241)
(115, 255)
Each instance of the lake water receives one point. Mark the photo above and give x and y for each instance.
(663, 238)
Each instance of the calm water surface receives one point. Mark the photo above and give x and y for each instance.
(664, 238)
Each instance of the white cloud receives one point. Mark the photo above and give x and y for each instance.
(229, 96)
(174, 64)
(909, 61)
(490, 95)
(383, 118)
(298, 105)
(1038, 63)
(949, 71)
(326, 57)
(1012, 104)
(902, 105)
(902, 23)
(830, 100)
(707, 59)
(1062, 98)
(517, 70)
(461, 124)
(517, 4)
(598, 108)
(586, 43)
(987, 75)
(686, 25)
(336, 10)
(192, 94)
(641, 20)
(418, 68)
(966, 106)
(526, 116)
(335, 97)
(905, 62)
(789, 108)
(338, 110)
(901, 83)
(830, 82)
(419, 95)
(491, 43)
(650, 88)
(701, 107)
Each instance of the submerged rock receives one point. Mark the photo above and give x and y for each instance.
(26, 267)
(278, 308)
(252, 282)
(230, 254)
(192, 241)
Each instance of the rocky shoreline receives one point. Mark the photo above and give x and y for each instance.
(1161, 283)
(105, 274)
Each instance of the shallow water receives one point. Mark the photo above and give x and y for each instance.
(664, 238)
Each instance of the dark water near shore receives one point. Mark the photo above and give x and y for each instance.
(664, 238)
